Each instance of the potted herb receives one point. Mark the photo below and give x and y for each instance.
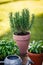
(8, 48)
(35, 52)
(21, 24)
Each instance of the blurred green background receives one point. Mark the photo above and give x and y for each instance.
(36, 30)
(34, 7)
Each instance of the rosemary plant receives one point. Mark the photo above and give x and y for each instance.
(21, 23)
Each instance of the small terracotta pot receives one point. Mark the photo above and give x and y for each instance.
(36, 58)
(22, 42)
(42, 57)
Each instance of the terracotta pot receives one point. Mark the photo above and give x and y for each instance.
(22, 42)
(36, 58)
(42, 57)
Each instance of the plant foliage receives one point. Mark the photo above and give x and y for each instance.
(21, 22)
(8, 48)
(36, 47)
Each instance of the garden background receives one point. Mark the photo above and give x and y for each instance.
(34, 6)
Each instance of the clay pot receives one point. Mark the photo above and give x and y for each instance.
(22, 42)
(42, 57)
(36, 58)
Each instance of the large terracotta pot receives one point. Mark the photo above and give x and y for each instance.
(22, 42)
(36, 58)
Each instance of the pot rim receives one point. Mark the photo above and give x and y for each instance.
(22, 35)
(33, 53)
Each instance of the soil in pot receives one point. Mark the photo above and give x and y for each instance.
(36, 58)
(21, 33)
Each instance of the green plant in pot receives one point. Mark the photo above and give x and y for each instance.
(35, 51)
(8, 48)
(20, 25)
